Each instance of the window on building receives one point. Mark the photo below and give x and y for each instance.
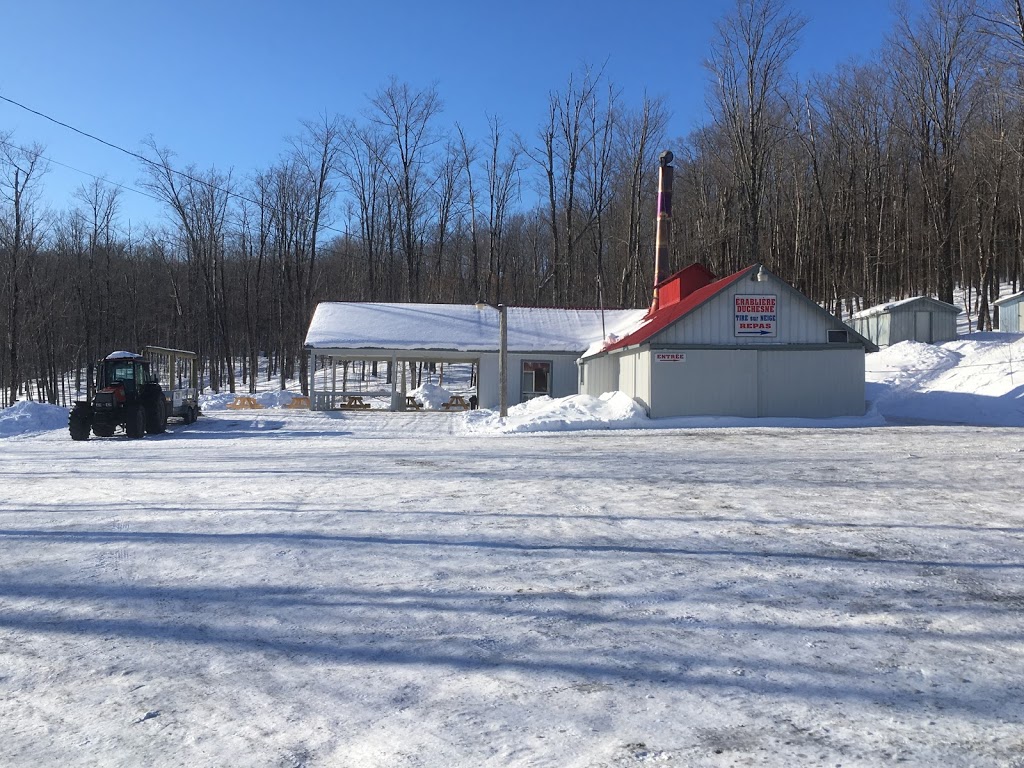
(536, 378)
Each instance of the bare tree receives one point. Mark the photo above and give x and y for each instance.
(1005, 22)
(937, 68)
(200, 205)
(20, 171)
(407, 116)
(317, 153)
(468, 154)
(640, 134)
(363, 153)
(748, 61)
(502, 168)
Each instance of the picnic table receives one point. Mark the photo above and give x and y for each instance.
(456, 403)
(244, 402)
(354, 403)
(413, 403)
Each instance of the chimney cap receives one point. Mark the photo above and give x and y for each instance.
(666, 157)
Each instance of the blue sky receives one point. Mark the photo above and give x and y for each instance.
(224, 82)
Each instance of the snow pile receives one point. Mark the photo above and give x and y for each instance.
(220, 401)
(26, 418)
(976, 380)
(431, 396)
(612, 410)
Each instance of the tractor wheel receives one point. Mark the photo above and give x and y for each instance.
(78, 425)
(156, 417)
(191, 415)
(136, 424)
(102, 430)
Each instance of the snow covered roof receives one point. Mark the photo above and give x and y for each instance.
(879, 309)
(122, 355)
(460, 327)
(1009, 299)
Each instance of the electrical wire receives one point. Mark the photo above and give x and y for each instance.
(161, 166)
(101, 179)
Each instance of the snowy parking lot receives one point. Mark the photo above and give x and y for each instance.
(281, 588)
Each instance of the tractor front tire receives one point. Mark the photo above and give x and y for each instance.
(78, 425)
(135, 427)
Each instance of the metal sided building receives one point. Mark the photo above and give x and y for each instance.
(745, 345)
(917, 319)
(1011, 313)
(542, 348)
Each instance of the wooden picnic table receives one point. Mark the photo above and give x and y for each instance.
(354, 403)
(244, 402)
(456, 403)
(412, 402)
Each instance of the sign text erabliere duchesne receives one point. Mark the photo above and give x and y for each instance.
(756, 315)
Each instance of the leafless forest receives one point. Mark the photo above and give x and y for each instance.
(885, 178)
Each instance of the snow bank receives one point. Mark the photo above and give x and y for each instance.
(431, 396)
(976, 380)
(220, 402)
(616, 410)
(612, 410)
(26, 418)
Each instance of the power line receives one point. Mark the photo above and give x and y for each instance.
(102, 179)
(161, 166)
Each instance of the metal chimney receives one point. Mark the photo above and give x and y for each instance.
(664, 223)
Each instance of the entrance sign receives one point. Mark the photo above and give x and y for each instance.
(756, 315)
(670, 357)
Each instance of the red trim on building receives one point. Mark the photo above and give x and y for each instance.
(692, 288)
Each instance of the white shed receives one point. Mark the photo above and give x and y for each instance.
(543, 344)
(920, 318)
(1011, 313)
(744, 345)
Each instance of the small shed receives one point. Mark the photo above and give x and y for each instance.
(744, 345)
(920, 318)
(1011, 313)
(543, 344)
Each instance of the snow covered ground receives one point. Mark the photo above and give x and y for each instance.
(285, 588)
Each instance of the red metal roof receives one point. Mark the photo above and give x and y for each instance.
(684, 282)
(669, 313)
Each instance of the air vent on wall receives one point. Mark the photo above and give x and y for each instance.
(838, 337)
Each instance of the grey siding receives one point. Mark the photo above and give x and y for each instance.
(1011, 316)
(711, 382)
(874, 327)
(602, 375)
(925, 320)
(564, 374)
(635, 376)
(799, 320)
(487, 383)
(813, 383)
(920, 324)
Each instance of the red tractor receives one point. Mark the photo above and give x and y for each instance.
(128, 394)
